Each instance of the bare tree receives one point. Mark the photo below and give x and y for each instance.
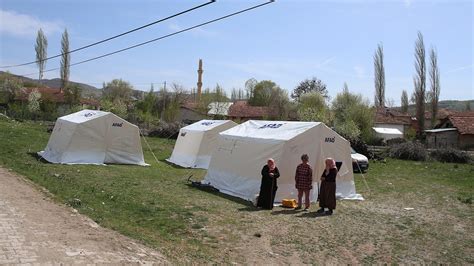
(420, 82)
(41, 52)
(404, 101)
(65, 60)
(310, 85)
(379, 78)
(435, 86)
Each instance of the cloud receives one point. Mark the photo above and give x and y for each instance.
(199, 32)
(24, 25)
(407, 3)
(457, 69)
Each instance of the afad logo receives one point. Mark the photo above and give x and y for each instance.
(117, 124)
(207, 123)
(89, 114)
(330, 139)
(271, 126)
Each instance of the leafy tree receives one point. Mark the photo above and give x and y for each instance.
(146, 110)
(310, 85)
(312, 107)
(404, 101)
(72, 95)
(379, 78)
(279, 103)
(117, 89)
(435, 86)
(169, 102)
(116, 106)
(65, 60)
(420, 82)
(41, 52)
(262, 93)
(9, 86)
(352, 109)
(34, 99)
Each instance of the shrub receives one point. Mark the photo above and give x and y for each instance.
(414, 151)
(451, 156)
(361, 147)
(166, 130)
(395, 141)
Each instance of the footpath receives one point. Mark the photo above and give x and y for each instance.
(36, 230)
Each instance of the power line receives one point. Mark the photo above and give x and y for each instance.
(116, 36)
(160, 38)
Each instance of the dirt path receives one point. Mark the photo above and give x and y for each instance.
(33, 229)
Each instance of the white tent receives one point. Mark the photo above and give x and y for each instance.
(387, 133)
(243, 150)
(196, 143)
(94, 137)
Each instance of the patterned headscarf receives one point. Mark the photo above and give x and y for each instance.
(271, 164)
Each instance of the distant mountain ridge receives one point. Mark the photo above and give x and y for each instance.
(87, 90)
(91, 91)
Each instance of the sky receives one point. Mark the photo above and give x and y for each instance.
(285, 41)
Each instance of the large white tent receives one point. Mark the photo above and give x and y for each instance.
(243, 150)
(196, 143)
(94, 137)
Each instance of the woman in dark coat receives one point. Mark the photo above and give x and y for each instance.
(268, 187)
(327, 192)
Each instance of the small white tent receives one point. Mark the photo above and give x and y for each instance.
(94, 137)
(243, 150)
(387, 133)
(196, 143)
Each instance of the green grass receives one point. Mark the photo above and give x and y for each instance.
(156, 206)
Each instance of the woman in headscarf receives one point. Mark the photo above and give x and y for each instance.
(327, 192)
(304, 181)
(268, 187)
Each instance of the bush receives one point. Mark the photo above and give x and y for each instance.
(414, 151)
(395, 141)
(361, 147)
(166, 130)
(451, 156)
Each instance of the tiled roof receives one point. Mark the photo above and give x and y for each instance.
(190, 105)
(242, 109)
(390, 116)
(464, 122)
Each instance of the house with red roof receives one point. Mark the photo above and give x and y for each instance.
(454, 131)
(242, 111)
(388, 118)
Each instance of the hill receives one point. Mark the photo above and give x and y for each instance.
(446, 104)
(87, 90)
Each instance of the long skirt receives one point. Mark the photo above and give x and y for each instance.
(267, 193)
(327, 195)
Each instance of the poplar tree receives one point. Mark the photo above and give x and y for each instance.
(379, 78)
(41, 52)
(65, 60)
